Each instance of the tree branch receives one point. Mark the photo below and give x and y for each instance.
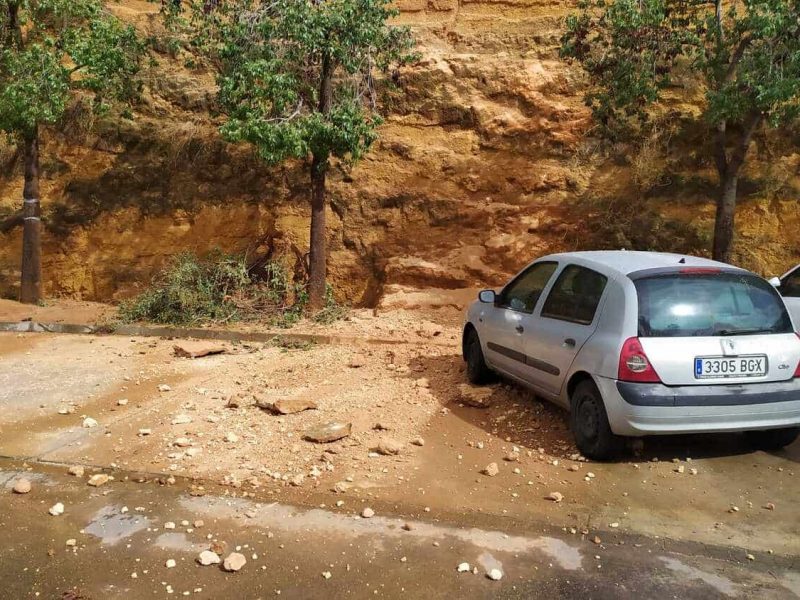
(740, 151)
(736, 58)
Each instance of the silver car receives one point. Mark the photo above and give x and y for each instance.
(643, 343)
(789, 288)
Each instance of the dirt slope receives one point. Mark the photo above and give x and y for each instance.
(483, 163)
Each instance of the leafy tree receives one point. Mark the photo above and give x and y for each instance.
(744, 55)
(51, 51)
(297, 79)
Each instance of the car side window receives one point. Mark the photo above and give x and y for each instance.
(575, 295)
(790, 287)
(523, 293)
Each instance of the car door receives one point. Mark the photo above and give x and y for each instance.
(558, 331)
(503, 325)
(790, 290)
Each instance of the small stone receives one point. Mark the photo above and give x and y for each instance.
(357, 361)
(407, 527)
(328, 432)
(464, 568)
(66, 410)
(750, 557)
(495, 575)
(418, 441)
(297, 480)
(231, 437)
(22, 486)
(182, 442)
(679, 469)
(491, 470)
(98, 480)
(555, 496)
(89, 422)
(234, 401)
(769, 506)
(122, 402)
(56, 509)
(72, 542)
(170, 564)
(287, 406)
(234, 562)
(192, 452)
(574, 468)
(389, 447)
(190, 349)
(76, 470)
(340, 487)
(181, 420)
(326, 574)
(367, 513)
(511, 457)
(144, 432)
(613, 525)
(596, 540)
(207, 557)
(164, 388)
(198, 524)
(423, 383)
(169, 525)
(692, 471)
(590, 475)
(477, 397)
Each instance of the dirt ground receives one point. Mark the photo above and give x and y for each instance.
(390, 392)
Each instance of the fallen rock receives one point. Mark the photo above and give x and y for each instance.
(297, 480)
(341, 487)
(207, 557)
(491, 469)
(190, 349)
(418, 441)
(389, 447)
(464, 568)
(122, 402)
(511, 457)
(234, 562)
(182, 442)
(89, 422)
(170, 564)
(76, 470)
(56, 509)
(164, 388)
(287, 406)
(357, 361)
(478, 397)
(495, 574)
(234, 401)
(231, 437)
(423, 383)
(555, 496)
(328, 432)
(98, 480)
(22, 486)
(367, 513)
(144, 432)
(181, 420)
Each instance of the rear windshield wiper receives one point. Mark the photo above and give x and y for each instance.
(727, 332)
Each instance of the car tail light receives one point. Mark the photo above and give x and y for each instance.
(797, 370)
(634, 364)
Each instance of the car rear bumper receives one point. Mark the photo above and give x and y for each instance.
(652, 409)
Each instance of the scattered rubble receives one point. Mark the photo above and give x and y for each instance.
(98, 480)
(207, 557)
(491, 470)
(89, 422)
(190, 349)
(367, 513)
(389, 447)
(76, 471)
(328, 432)
(57, 509)
(22, 486)
(477, 397)
(234, 562)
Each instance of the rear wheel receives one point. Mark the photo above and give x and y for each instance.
(478, 372)
(589, 422)
(772, 439)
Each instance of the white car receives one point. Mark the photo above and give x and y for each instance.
(789, 288)
(642, 343)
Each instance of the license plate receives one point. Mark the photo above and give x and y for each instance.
(716, 367)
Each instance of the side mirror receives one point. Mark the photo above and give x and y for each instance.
(775, 282)
(487, 296)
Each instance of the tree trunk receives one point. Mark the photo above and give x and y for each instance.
(317, 278)
(31, 284)
(724, 225)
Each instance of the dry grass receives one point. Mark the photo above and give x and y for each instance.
(8, 153)
(650, 161)
(188, 141)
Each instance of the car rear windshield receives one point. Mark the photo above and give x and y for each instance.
(709, 304)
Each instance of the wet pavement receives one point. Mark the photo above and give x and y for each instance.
(122, 546)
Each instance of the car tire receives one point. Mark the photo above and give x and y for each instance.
(772, 439)
(589, 424)
(478, 372)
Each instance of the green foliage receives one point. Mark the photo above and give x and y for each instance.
(745, 57)
(51, 48)
(221, 288)
(273, 59)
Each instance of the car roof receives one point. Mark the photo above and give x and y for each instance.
(630, 261)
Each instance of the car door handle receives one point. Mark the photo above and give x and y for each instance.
(569, 342)
(519, 328)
